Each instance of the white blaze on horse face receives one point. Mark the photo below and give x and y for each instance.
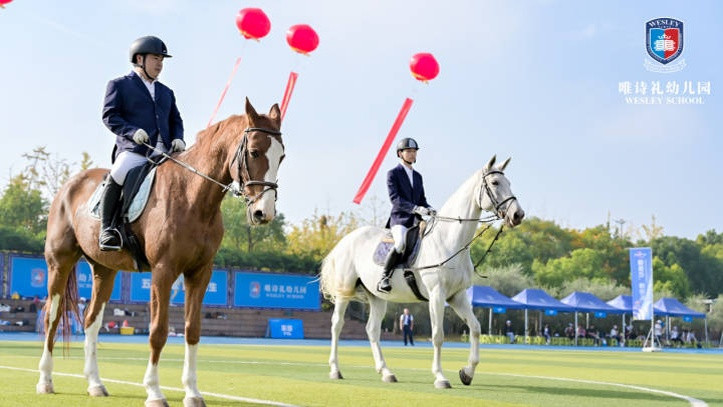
(267, 203)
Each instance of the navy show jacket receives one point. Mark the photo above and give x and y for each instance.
(404, 198)
(129, 106)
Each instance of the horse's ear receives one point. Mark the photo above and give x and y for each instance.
(490, 163)
(251, 112)
(504, 164)
(275, 113)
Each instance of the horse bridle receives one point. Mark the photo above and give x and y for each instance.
(243, 167)
(497, 205)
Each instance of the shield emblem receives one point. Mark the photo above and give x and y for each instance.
(664, 39)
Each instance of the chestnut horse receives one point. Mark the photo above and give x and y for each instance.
(180, 231)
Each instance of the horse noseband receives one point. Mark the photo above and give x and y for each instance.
(243, 168)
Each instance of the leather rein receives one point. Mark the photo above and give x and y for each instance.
(243, 168)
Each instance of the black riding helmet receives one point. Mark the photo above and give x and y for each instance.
(148, 45)
(406, 143)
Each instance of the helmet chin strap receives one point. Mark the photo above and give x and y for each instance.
(143, 66)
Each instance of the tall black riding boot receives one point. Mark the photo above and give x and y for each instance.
(109, 238)
(384, 284)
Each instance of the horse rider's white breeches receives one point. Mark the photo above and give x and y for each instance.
(127, 160)
(399, 234)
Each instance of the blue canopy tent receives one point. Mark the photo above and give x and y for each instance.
(671, 307)
(487, 297)
(537, 299)
(586, 302)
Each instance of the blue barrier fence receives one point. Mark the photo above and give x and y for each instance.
(28, 276)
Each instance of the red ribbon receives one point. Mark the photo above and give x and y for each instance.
(287, 93)
(383, 151)
(223, 94)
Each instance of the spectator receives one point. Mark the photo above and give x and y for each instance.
(406, 321)
(546, 334)
(614, 334)
(658, 331)
(593, 334)
(570, 331)
(509, 331)
(675, 336)
(581, 333)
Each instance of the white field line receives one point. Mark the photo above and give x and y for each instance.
(218, 395)
(693, 401)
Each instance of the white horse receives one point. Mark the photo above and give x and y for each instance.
(348, 272)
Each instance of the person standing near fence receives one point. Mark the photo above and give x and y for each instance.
(406, 321)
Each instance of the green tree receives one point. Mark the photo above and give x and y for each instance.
(604, 289)
(581, 263)
(315, 237)
(704, 272)
(671, 278)
(534, 239)
(23, 207)
(508, 280)
(240, 235)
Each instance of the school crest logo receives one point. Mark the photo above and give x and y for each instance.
(664, 39)
(37, 278)
(254, 289)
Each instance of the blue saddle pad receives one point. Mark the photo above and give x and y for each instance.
(387, 243)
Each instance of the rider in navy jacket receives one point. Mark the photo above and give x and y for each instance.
(140, 111)
(406, 191)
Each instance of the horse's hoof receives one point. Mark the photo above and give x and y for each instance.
(442, 384)
(389, 379)
(194, 402)
(464, 377)
(44, 388)
(335, 376)
(157, 403)
(97, 391)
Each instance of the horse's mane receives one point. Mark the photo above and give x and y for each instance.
(208, 137)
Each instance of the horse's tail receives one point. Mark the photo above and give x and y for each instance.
(328, 277)
(68, 305)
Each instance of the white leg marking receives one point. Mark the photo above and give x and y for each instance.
(91, 348)
(189, 372)
(45, 382)
(151, 382)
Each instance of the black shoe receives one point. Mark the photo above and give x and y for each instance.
(384, 285)
(109, 238)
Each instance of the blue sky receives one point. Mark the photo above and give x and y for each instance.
(535, 80)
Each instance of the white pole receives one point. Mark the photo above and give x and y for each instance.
(525, 325)
(489, 331)
(623, 337)
(575, 328)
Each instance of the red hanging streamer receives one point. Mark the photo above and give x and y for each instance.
(287, 93)
(383, 151)
(223, 94)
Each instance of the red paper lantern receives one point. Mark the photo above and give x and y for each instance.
(252, 22)
(424, 67)
(4, 2)
(302, 38)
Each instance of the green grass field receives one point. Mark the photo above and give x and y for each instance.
(299, 375)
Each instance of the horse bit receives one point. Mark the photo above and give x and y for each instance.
(243, 168)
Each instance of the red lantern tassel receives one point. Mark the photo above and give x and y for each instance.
(383, 151)
(287, 93)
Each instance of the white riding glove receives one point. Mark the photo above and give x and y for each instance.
(140, 137)
(432, 211)
(421, 211)
(178, 145)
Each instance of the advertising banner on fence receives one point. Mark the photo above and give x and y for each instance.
(29, 277)
(267, 290)
(85, 282)
(641, 279)
(216, 292)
